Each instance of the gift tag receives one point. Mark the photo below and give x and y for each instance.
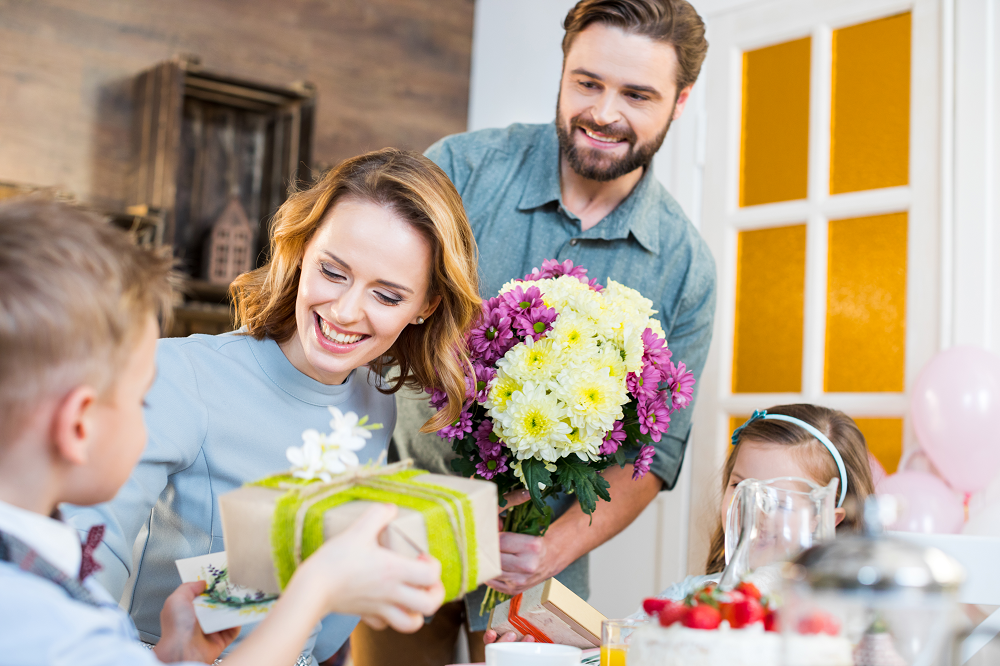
(223, 604)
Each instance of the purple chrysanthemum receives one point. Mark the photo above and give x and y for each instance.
(536, 322)
(613, 439)
(553, 269)
(654, 349)
(460, 428)
(642, 461)
(487, 442)
(439, 399)
(477, 387)
(654, 417)
(646, 384)
(518, 301)
(493, 336)
(491, 467)
(681, 384)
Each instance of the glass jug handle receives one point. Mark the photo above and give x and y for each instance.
(739, 528)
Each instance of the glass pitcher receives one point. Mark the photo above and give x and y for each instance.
(774, 520)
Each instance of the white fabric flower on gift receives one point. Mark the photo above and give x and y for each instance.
(307, 460)
(322, 456)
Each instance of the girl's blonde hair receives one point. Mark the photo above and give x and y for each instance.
(842, 432)
(418, 191)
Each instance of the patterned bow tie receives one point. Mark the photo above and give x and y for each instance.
(88, 564)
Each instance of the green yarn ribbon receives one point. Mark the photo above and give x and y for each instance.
(448, 516)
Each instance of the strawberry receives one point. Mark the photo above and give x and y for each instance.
(654, 606)
(819, 623)
(771, 620)
(727, 604)
(701, 617)
(746, 612)
(672, 612)
(749, 589)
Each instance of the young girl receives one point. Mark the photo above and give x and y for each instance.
(373, 267)
(806, 441)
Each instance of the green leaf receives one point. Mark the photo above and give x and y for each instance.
(463, 467)
(576, 476)
(619, 457)
(534, 473)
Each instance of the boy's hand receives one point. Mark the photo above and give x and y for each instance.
(359, 577)
(183, 639)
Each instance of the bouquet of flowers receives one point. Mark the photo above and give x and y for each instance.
(568, 378)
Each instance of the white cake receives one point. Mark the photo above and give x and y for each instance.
(653, 645)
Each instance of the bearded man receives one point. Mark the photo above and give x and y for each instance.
(580, 188)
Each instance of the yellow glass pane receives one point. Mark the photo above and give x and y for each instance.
(885, 440)
(770, 294)
(774, 151)
(866, 304)
(870, 126)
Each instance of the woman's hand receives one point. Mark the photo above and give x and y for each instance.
(357, 576)
(182, 638)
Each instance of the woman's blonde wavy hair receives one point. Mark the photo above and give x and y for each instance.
(418, 191)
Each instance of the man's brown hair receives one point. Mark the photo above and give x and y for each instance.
(75, 298)
(672, 21)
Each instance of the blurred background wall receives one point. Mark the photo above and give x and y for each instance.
(387, 73)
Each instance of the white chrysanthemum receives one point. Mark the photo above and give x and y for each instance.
(632, 346)
(532, 425)
(611, 358)
(593, 397)
(575, 335)
(532, 361)
(568, 293)
(503, 388)
(628, 299)
(585, 443)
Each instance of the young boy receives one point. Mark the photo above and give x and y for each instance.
(78, 329)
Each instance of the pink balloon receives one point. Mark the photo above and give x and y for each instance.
(878, 472)
(926, 504)
(955, 406)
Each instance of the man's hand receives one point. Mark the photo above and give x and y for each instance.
(183, 639)
(528, 561)
(510, 637)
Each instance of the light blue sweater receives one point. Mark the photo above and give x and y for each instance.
(222, 412)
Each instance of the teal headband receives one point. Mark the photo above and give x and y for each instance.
(820, 437)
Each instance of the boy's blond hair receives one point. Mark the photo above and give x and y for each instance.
(75, 297)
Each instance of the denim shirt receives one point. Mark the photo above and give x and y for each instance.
(509, 182)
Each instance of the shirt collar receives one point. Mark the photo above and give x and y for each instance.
(635, 215)
(289, 379)
(54, 541)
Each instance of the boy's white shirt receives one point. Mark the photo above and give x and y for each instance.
(56, 542)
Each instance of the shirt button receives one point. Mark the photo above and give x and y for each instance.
(573, 242)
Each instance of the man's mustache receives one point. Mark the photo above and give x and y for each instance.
(612, 131)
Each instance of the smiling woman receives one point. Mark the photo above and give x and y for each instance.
(375, 264)
(372, 268)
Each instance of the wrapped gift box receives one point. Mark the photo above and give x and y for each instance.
(552, 614)
(260, 547)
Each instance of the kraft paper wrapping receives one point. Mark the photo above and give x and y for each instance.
(560, 614)
(247, 514)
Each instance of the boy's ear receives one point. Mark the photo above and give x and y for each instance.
(73, 425)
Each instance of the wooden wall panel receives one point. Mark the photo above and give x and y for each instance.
(388, 73)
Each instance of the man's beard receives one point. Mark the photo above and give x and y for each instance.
(591, 163)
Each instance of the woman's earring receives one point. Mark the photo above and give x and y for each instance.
(420, 320)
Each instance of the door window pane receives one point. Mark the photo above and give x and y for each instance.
(870, 126)
(774, 155)
(770, 294)
(866, 304)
